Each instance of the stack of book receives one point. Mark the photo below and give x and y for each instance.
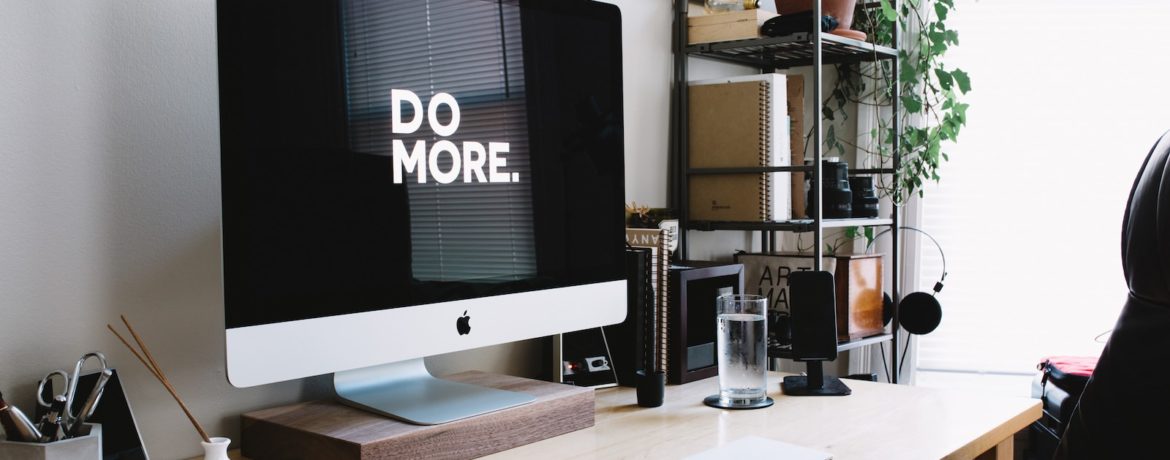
(659, 241)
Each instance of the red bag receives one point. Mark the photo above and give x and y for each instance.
(1070, 373)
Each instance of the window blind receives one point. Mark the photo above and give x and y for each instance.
(1029, 208)
(471, 50)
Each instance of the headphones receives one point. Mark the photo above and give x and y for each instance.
(920, 312)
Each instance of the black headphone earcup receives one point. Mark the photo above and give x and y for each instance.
(919, 313)
(887, 309)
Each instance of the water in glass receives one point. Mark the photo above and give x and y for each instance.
(742, 339)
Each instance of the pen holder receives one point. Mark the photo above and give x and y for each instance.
(84, 447)
(651, 386)
(216, 449)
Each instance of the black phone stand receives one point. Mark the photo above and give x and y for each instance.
(815, 383)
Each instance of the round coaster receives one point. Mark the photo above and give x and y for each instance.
(715, 401)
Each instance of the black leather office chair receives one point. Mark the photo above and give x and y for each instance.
(1124, 410)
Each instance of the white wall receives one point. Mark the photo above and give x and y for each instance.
(109, 200)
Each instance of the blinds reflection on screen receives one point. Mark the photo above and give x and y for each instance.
(471, 50)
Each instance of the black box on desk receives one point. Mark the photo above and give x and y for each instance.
(691, 322)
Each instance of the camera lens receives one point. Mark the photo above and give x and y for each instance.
(837, 194)
(865, 198)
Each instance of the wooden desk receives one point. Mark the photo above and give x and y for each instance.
(878, 421)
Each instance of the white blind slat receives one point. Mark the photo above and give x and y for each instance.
(459, 231)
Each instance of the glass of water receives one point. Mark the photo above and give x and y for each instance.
(741, 345)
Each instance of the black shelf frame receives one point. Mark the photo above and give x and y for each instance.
(786, 352)
(795, 225)
(769, 169)
(769, 54)
(789, 51)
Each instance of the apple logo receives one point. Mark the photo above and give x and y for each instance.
(463, 324)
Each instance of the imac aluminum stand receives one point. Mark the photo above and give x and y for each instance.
(407, 391)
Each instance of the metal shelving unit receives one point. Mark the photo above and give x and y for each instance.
(769, 54)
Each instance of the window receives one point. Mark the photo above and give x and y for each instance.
(1030, 206)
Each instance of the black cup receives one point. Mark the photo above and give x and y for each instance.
(650, 388)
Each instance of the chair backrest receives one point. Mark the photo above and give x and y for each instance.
(1145, 235)
(1122, 411)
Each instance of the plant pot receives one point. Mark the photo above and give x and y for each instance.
(840, 9)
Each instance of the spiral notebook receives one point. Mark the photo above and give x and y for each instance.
(739, 122)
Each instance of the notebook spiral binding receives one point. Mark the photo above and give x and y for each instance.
(662, 267)
(765, 150)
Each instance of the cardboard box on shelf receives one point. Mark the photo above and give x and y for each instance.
(735, 25)
(796, 138)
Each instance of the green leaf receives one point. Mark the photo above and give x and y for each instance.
(908, 73)
(952, 37)
(961, 109)
(963, 80)
(941, 10)
(944, 78)
(936, 37)
(888, 11)
(947, 132)
(911, 103)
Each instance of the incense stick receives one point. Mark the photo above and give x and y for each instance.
(156, 371)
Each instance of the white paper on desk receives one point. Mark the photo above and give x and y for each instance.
(755, 447)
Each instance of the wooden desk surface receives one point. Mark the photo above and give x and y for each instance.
(878, 421)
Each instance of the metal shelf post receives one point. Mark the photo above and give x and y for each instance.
(680, 189)
(818, 108)
(895, 235)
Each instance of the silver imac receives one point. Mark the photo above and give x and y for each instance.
(404, 178)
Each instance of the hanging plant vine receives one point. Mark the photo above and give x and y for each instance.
(932, 113)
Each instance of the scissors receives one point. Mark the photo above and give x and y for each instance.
(69, 389)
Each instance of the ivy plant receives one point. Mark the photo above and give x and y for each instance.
(932, 112)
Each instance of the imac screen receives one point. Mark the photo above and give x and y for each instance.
(379, 154)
